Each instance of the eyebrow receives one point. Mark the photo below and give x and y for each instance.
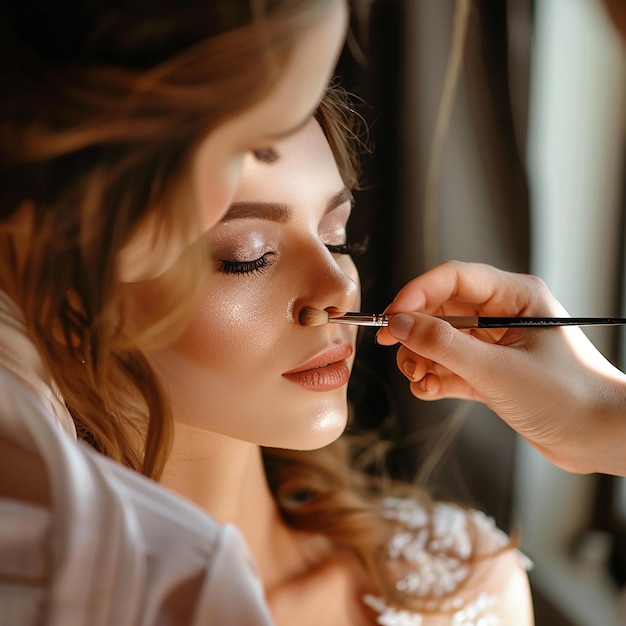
(277, 211)
(345, 195)
(271, 211)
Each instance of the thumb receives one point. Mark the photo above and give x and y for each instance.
(437, 340)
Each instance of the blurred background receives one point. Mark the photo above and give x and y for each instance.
(532, 178)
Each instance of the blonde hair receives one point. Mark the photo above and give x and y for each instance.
(103, 109)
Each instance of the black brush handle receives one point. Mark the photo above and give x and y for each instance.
(517, 322)
(473, 321)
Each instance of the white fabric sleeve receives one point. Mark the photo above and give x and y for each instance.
(119, 549)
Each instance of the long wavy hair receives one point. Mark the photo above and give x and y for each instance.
(102, 109)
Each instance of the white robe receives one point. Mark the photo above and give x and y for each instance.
(114, 548)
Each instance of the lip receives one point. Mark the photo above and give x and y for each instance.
(326, 371)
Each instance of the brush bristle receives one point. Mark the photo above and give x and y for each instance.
(312, 317)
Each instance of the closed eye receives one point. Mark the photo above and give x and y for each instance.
(243, 268)
(351, 248)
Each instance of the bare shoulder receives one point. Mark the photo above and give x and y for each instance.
(456, 565)
(500, 573)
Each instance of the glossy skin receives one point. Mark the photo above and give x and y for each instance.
(551, 385)
(244, 367)
(216, 167)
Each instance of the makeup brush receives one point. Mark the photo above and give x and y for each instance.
(315, 317)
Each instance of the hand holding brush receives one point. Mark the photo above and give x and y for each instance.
(549, 383)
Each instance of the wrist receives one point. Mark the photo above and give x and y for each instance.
(602, 445)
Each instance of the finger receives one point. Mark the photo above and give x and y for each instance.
(435, 386)
(412, 365)
(452, 280)
(481, 287)
(384, 338)
(430, 380)
(433, 339)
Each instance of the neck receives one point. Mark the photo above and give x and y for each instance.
(226, 478)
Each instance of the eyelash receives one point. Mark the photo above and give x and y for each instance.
(245, 268)
(351, 248)
(258, 266)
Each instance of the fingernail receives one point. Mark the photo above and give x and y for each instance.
(408, 367)
(401, 325)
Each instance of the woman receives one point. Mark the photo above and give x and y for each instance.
(246, 375)
(122, 135)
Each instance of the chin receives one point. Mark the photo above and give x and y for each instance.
(328, 427)
(319, 428)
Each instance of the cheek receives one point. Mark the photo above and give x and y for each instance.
(224, 374)
(227, 365)
(349, 268)
(232, 330)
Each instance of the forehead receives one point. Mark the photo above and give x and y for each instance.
(305, 170)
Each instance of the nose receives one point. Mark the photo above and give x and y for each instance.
(329, 282)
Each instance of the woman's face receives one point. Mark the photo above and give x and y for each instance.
(244, 367)
(217, 164)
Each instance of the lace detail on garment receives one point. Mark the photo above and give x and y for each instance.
(474, 613)
(429, 550)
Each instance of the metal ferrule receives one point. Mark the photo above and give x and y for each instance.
(361, 319)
